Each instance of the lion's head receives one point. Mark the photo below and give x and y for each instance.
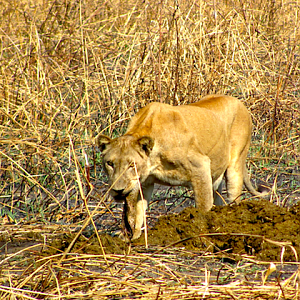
(124, 158)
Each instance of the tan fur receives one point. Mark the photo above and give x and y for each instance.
(190, 145)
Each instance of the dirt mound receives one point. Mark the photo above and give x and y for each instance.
(257, 228)
(252, 227)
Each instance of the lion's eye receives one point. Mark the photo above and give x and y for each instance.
(110, 163)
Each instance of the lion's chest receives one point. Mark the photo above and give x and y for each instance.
(172, 177)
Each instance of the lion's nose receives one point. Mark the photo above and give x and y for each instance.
(118, 192)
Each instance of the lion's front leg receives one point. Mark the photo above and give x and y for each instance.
(141, 208)
(202, 183)
(135, 210)
(203, 193)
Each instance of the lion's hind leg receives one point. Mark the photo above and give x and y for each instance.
(218, 187)
(234, 181)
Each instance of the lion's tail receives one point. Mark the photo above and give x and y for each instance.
(262, 190)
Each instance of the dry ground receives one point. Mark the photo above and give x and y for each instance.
(72, 69)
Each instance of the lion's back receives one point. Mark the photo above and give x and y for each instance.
(179, 127)
(210, 114)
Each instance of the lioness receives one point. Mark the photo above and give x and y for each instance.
(191, 145)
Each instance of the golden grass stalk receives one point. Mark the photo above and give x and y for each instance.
(144, 209)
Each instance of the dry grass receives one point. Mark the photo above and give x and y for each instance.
(72, 69)
(162, 273)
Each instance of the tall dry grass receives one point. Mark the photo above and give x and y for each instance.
(72, 69)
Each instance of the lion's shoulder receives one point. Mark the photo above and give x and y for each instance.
(153, 117)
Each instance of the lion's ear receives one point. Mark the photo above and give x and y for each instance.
(103, 141)
(146, 143)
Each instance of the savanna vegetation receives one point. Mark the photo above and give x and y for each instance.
(70, 70)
